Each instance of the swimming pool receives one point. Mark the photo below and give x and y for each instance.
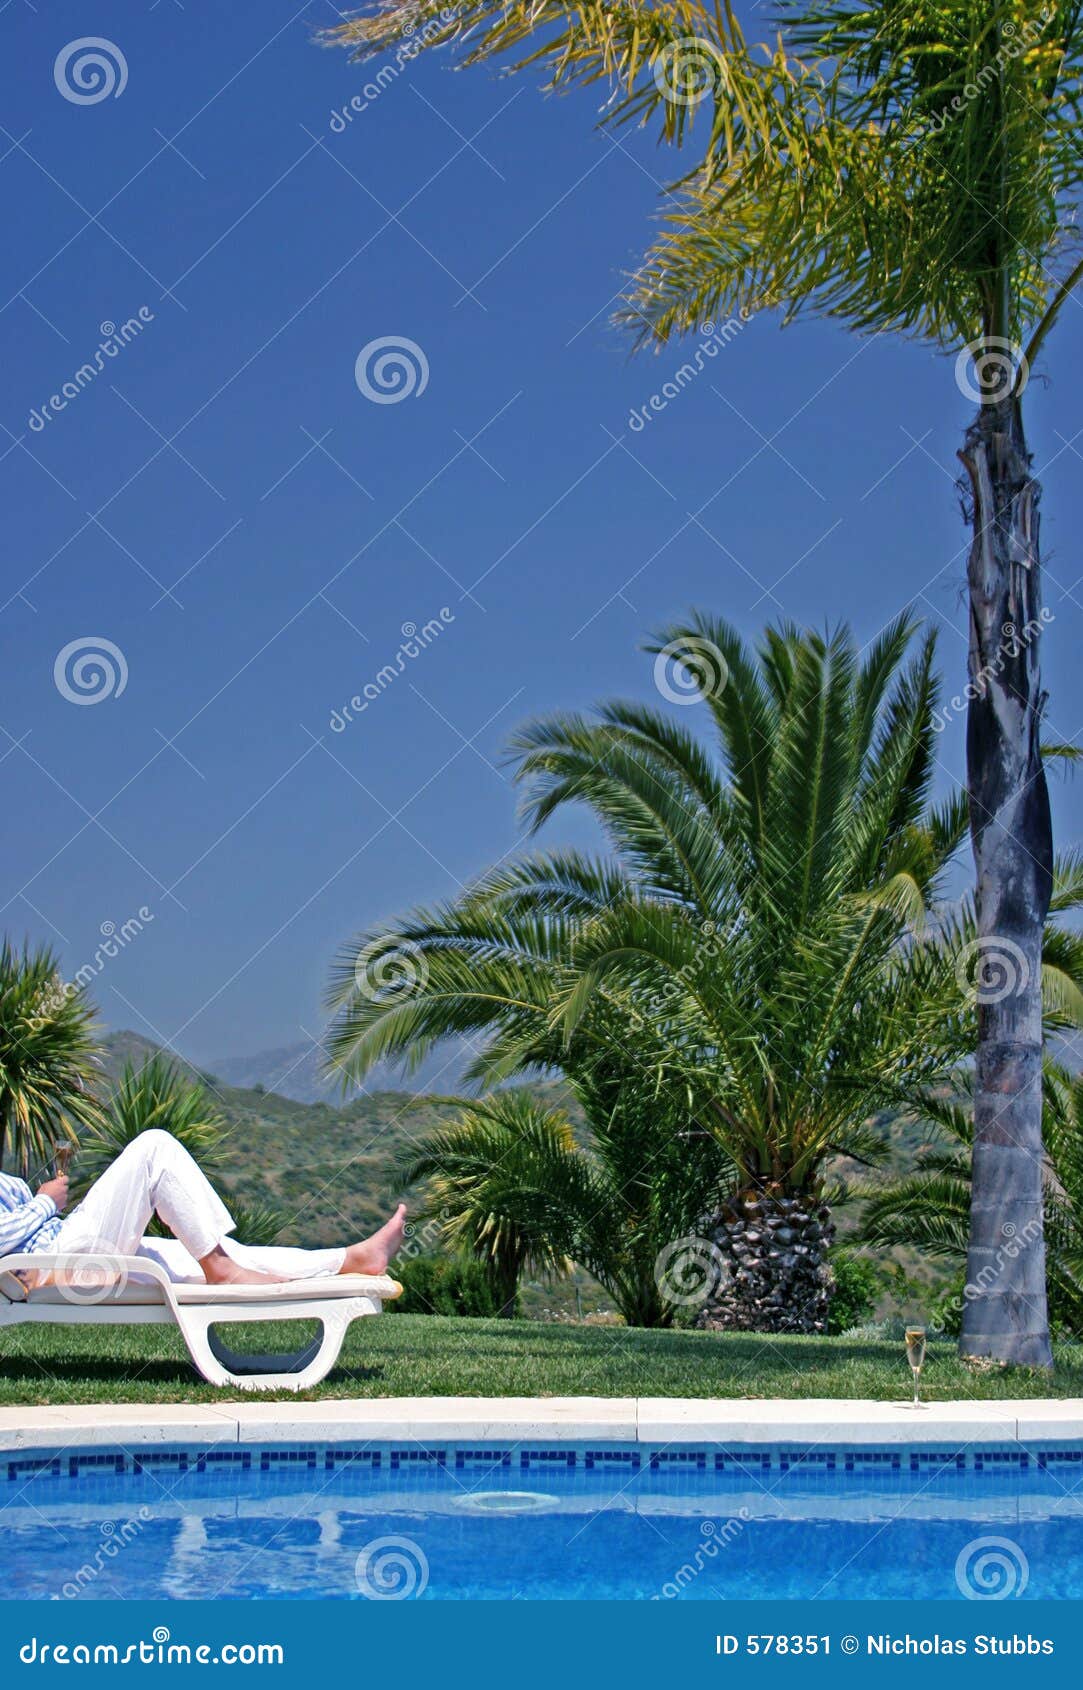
(503, 1521)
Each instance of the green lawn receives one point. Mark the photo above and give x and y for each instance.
(417, 1355)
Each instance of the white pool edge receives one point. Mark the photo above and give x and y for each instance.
(644, 1420)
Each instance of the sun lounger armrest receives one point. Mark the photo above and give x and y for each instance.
(79, 1268)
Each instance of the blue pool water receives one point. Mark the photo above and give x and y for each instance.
(384, 1522)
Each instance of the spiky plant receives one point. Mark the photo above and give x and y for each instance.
(753, 968)
(160, 1093)
(49, 1074)
(157, 1094)
(905, 166)
(510, 1183)
(497, 1178)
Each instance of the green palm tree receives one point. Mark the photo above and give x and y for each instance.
(908, 166)
(49, 1073)
(753, 970)
(511, 1184)
(496, 1176)
(928, 1208)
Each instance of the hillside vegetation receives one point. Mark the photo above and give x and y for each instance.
(331, 1170)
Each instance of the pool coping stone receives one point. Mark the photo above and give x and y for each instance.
(519, 1420)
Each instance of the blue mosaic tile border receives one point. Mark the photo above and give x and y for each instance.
(610, 1460)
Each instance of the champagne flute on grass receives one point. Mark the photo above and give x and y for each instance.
(915, 1355)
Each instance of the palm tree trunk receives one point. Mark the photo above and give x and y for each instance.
(774, 1256)
(504, 1277)
(1005, 1316)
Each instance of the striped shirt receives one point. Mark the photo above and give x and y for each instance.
(26, 1222)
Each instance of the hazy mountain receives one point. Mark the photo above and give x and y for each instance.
(119, 1049)
(330, 1168)
(298, 1071)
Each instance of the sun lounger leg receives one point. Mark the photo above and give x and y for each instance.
(295, 1371)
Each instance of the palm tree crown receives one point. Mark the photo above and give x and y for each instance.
(48, 1071)
(741, 949)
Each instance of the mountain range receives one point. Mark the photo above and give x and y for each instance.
(300, 1071)
(333, 1170)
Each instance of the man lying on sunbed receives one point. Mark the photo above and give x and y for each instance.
(154, 1174)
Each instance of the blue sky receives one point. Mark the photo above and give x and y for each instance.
(225, 506)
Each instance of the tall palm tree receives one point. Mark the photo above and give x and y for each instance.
(928, 1207)
(754, 955)
(48, 1072)
(899, 165)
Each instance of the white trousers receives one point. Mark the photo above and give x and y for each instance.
(155, 1174)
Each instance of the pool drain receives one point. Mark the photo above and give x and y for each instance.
(506, 1502)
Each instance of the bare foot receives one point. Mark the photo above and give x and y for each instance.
(373, 1254)
(221, 1269)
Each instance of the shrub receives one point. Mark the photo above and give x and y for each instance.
(946, 1313)
(444, 1285)
(256, 1223)
(853, 1293)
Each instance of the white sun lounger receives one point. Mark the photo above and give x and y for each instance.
(136, 1291)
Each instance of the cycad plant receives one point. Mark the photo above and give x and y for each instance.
(909, 166)
(753, 966)
(49, 1077)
